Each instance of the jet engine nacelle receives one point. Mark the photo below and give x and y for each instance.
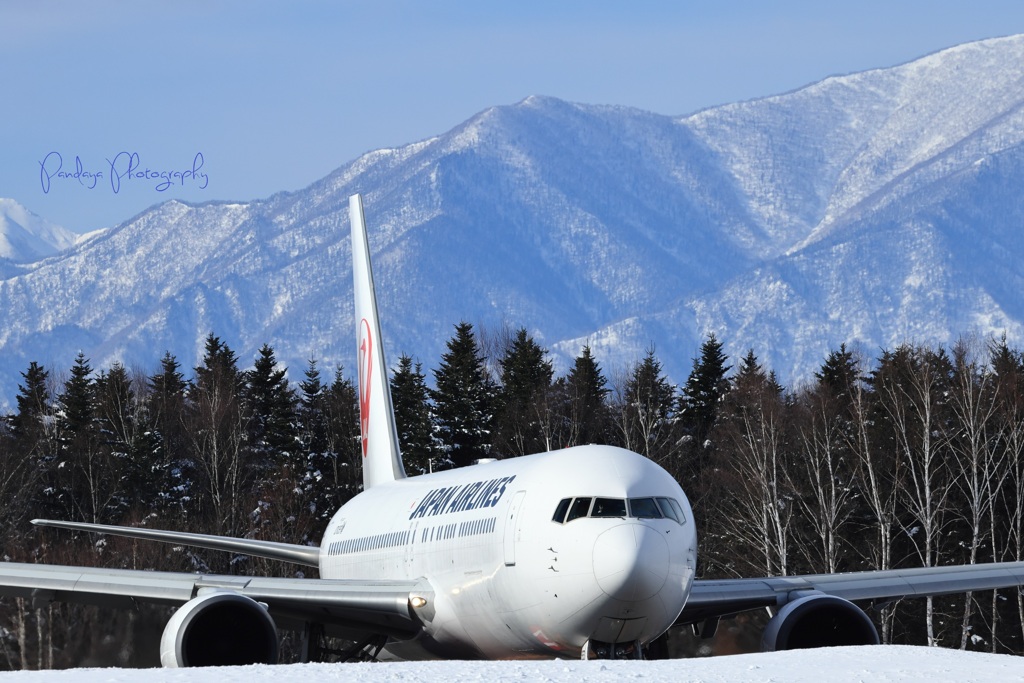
(219, 629)
(818, 621)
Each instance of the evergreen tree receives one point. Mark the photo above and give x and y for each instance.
(343, 471)
(269, 403)
(173, 468)
(410, 398)
(219, 372)
(698, 408)
(75, 475)
(28, 424)
(703, 391)
(522, 415)
(750, 373)
(273, 450)
(315, 470)
(216, 429)
(585, 392)
(1008, 368)
(312, 411)
(463, 400)
(646, 416)
(29, 450)
(124, 445)
(77, 398)
(840, 372)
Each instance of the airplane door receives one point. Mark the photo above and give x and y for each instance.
(410, 547)
(511, 520)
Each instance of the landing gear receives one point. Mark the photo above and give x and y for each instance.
(595, 649)
(657, 648)
(317, 647)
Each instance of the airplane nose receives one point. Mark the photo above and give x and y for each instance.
(631, 562)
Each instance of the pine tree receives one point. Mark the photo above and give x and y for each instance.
(463, 399)
(216, 429)
(269, 403)
(124, 445)
(30, 449)
(840, 372)
(750, 373)
(585, 392)
(646, 416)
(316, 473)
(523, 421)
(75, 478)
(219, 370)
(273, 456)
(173, 470)
(703, 391)
(344, 469)
(312, 411)
(77, 398)
(413, 418)
(28, 424)
(1008, 368)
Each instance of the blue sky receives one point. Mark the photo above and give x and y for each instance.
(275, 95)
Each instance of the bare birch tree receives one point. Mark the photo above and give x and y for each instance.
(828, 472)
(762, 496)
(913, 399)
(978, 464)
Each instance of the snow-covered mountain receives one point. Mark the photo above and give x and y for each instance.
(25, 237)
(870, 209)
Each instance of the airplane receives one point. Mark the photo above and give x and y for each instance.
(586, 552)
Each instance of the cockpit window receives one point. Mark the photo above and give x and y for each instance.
(672, 509)
(563, 507)
(569, 509)
(609, 507)
(579, 508)
(644, 508)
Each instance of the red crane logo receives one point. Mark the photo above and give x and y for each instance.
(365, 370)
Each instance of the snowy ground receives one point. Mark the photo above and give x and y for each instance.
(834, 665)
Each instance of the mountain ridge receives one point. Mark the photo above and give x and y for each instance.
(866, 209)
(26, 237)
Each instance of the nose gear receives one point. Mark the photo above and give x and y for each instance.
(596, 649)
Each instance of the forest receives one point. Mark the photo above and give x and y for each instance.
(913, 458)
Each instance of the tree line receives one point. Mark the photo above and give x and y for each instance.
(913, 459)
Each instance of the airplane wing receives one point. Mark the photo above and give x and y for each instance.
(357, 606)
(710, 599)
(353, 606)
(286, 552)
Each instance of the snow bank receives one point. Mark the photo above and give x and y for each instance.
(835, 665)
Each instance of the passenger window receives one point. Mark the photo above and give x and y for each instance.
(609, 507)
(579, 508)
(563, 507)
(672, 509)
(644, 508)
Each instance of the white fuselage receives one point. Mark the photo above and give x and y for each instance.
(507, 579)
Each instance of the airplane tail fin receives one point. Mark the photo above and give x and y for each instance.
(382, 458)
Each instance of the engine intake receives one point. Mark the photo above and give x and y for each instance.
(219, 629)
(818, 621)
